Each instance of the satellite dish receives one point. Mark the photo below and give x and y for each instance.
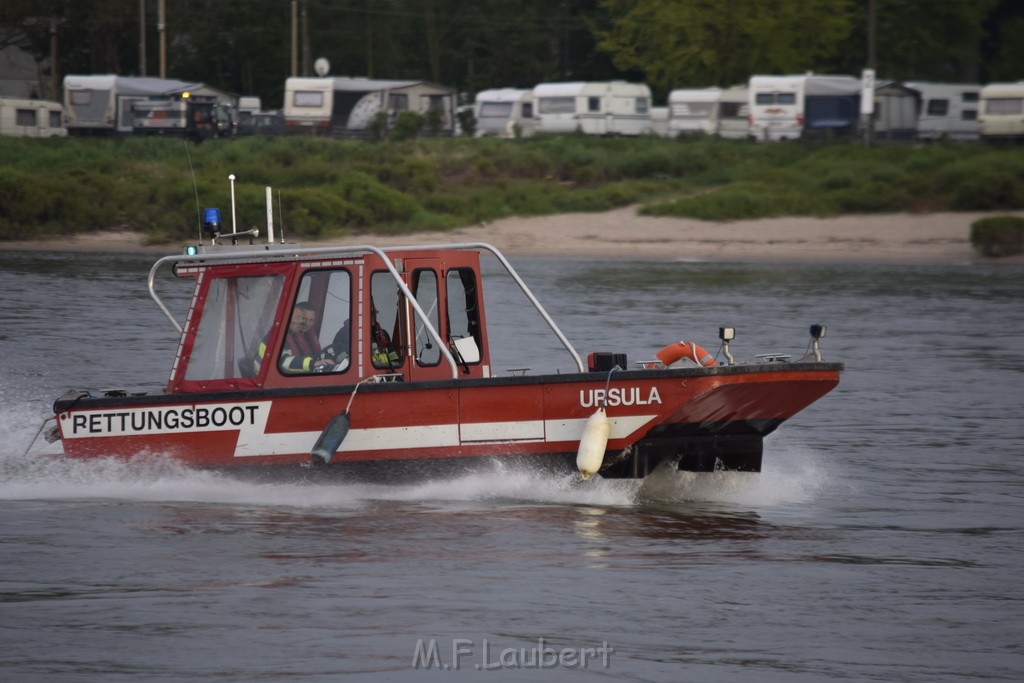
(321, 66)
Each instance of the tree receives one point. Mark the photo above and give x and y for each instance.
(677, 43)
(921, 39)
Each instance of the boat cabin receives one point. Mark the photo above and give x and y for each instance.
(328, 317)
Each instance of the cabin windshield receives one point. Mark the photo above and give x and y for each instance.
(236, 318)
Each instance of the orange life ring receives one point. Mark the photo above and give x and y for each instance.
(685, 349)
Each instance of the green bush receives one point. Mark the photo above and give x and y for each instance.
(407, 126)
(998, 235)
(157, 185)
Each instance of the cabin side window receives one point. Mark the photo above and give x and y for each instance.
(1004, 106)
(527, 110)
(500, 110)
(237, 317)
(556, 105)
(308, 98)
(424, 287)
(55, 119)
(398, 102)
(319, 334)
(463, 324)
(386, 322)
(25, 117)
(642, 105)
(937, 107)
(593, 104)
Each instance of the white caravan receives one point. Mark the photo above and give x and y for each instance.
(693, 111)
(504, 113)
(948, 111)
(102, 105)
(347, 105)
(1002, 111)
(711, 111)
(31, 118)
(608, 108)
(784, 107)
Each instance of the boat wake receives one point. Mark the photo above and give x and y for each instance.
(793, 477)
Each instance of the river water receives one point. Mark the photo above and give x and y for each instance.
(884, 539)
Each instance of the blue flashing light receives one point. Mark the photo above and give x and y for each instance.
(211, 220)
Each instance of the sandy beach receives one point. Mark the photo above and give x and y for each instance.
(935, 238)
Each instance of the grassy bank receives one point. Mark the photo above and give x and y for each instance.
(333, 187)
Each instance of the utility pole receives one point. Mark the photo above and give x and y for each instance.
(142, 37)
(295, 38)
(54, 67)
(161, 27)
(306, 53)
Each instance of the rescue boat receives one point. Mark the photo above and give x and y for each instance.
(396, 376)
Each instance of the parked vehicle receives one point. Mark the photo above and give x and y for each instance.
(693, 111)
(31, 118)
(608, 108)
(948, 111)
(789, 107)
(344, 106)
(504, 113)
(102, 105)
(196, 118)
(1001, 113)
(711, 111)
(267, 123)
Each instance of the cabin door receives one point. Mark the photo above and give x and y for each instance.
(449, 296)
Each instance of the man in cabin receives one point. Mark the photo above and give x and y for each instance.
(301, 348)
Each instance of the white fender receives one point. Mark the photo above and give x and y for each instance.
(593, 444)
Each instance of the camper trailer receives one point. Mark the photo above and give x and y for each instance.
(789, 107)
(711, 111)
(31, 118)
(504, 113)
(343, 106)
(1001, 114)
(948, 111)
(693, 111)
(102, 105)
(610, 108)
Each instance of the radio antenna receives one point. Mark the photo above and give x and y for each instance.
(280, 214)
(199, 219)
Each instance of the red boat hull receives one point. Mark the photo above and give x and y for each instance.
(704, 418)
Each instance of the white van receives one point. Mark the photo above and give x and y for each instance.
(604, 108)
(1001, 113)
(31, 118)
(948, 111)
(501, 113)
